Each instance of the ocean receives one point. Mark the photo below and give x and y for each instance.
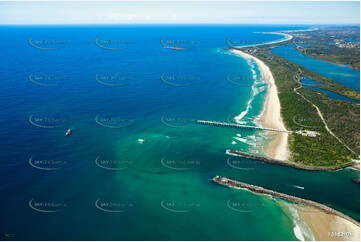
(136, 165)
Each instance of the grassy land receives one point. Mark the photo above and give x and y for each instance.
(342, 117)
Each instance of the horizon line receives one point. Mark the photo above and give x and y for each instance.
(162, 23)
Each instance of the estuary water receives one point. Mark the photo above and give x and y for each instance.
(339, 73)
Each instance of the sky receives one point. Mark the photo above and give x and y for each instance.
(173, 12)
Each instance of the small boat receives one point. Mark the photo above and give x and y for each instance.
(175, 47)
(68, 132)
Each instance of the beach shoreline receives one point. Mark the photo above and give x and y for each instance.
(271, 114)
(312, 220)
(323, 226)
(326, 226)
(287, 37)
(316, 225)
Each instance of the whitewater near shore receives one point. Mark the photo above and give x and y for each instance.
(271, 115)
(320, 223)
(314, 224)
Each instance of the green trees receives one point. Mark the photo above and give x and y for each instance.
(342, 117)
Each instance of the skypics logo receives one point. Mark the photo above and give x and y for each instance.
(113, 44)
(47, 44)
(113, 206)
(47, 164)
(47, 207)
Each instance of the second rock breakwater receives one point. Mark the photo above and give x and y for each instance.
(260, 190)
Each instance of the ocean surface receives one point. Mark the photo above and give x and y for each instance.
(136, 165)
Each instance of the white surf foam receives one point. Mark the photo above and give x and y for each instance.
(239, 118)
(298, 233)
(301, 230)
(240, 139)
(255, 91)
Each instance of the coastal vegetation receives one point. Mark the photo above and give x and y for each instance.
(299, 113)
(340, 45)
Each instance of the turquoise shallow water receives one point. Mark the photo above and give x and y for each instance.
(136, 166)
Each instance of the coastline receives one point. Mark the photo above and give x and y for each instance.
(287, 37)
(319, 223)
(271, 115)
(288, 163)
(325, 226)
(312, 220)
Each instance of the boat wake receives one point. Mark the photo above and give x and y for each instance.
(299, 187)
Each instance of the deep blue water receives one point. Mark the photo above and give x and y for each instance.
(339, 73)
(131, 104)
(311, 84)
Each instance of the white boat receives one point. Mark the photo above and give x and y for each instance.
(68, 132)
(175, 48)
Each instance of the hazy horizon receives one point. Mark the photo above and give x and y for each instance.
(155, 12)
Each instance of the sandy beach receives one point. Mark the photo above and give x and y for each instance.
(320, 223)
(271, 115)
(316, 225)
(327, 226)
